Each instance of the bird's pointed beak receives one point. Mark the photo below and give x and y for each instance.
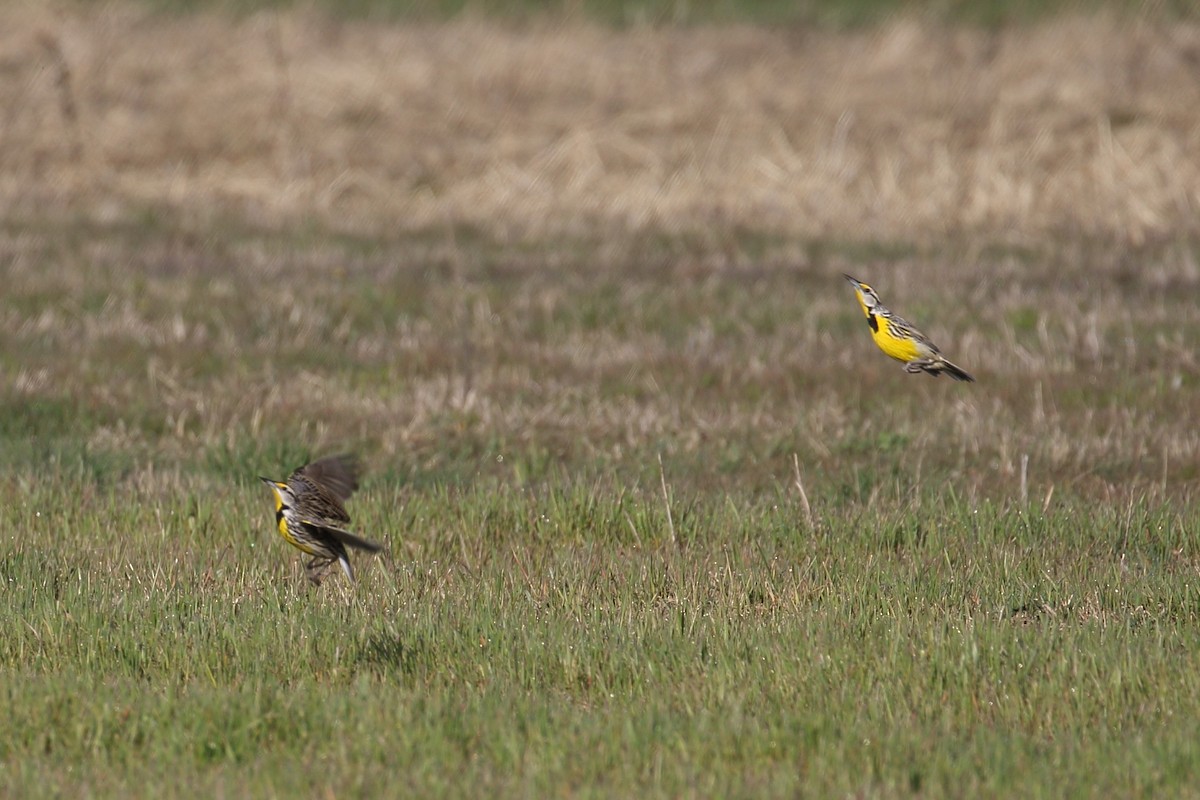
(267, 481)
(853, 282)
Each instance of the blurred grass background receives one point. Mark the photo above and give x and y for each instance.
(660, 520)
(824, 13)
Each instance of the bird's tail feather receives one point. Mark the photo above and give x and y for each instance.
(956, 372)
(350, 540)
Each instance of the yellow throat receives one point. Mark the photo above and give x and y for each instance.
(900, 347)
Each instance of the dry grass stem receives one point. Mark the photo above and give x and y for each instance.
(808, 515)
(65, 93)
(666, 496)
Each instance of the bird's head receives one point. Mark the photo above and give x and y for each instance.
(284, 496)
(866, 295)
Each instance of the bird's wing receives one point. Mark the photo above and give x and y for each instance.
(338, 474)
(320, 506)
(902, 329)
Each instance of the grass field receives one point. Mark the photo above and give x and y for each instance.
(659, 519)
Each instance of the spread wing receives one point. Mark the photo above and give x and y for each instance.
(337, 474)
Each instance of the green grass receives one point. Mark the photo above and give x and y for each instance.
(599, 578)
(559, 642)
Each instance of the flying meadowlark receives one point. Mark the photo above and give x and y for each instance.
(900, 340)
(310, 514)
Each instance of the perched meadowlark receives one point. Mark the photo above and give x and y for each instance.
(901, 340)
(310, 513)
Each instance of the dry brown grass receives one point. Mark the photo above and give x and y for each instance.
(908, 132)
(530, 364)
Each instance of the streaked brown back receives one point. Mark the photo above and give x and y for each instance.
(323, 486)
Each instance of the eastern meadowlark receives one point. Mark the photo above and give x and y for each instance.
(901, 340)
(311, 515)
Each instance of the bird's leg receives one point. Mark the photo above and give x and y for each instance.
(318, 568)
(923, 365)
